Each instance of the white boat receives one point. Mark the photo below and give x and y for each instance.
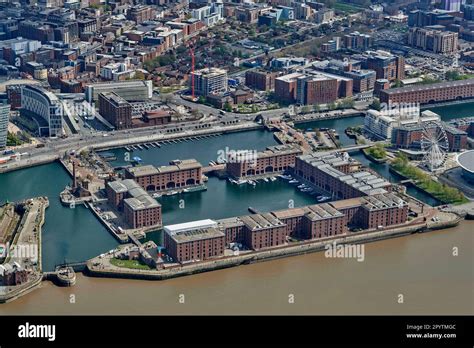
(285, 177)
(272, 178)
(240, 182)
(172, 193)
(294, 181)
(265, 179)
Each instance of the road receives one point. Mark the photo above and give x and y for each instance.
(212, 121)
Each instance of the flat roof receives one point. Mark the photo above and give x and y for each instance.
(187, 226)
(432, 86)
(197, 234)
(466, 160)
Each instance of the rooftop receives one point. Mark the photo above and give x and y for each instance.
(466, 160)
(417, 88)
(261, 221)
(197, 234)
(188, 226)
(176, 166)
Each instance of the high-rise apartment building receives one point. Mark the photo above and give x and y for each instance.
(209, 81)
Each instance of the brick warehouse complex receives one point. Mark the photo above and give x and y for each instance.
(205, 239)
(197, 240)
(178, 174)
(140, 210)
(424, 94)
(339, 175)
(273, 160)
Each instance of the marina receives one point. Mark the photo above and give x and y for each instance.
(81, 228)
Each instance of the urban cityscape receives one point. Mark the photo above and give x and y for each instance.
(165, 156)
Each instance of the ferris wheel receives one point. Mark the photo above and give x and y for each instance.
(434, 144)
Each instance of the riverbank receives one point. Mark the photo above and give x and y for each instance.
(31, 227)
(101, 267)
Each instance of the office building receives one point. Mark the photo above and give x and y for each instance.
(261, 80)
(380, 124)
(116, 110)
(45, 107)
(128, 90)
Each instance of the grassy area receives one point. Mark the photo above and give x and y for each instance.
(348, 8)
(442, 192)
(133, 264)
(377, 151)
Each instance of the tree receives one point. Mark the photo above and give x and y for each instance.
(376, 104)
(139, 75)
(316, 108)
(227, 107)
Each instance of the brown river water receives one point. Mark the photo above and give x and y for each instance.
(421, 267)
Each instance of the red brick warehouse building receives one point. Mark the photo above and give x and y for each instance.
(139, 208)
(205, 239)
(197, 240)
(339, 176)
(274, 159)
(427, 94)
(179, 174)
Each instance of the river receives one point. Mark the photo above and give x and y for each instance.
(421, 267)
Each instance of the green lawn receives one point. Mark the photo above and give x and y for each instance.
(349, 8)
(133, 264)
(442, 192)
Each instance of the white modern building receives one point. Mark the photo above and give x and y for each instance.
(116, 71)
(44, 105)
(129, 90)
(209, 81)
(381, 123)
(210, 14)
